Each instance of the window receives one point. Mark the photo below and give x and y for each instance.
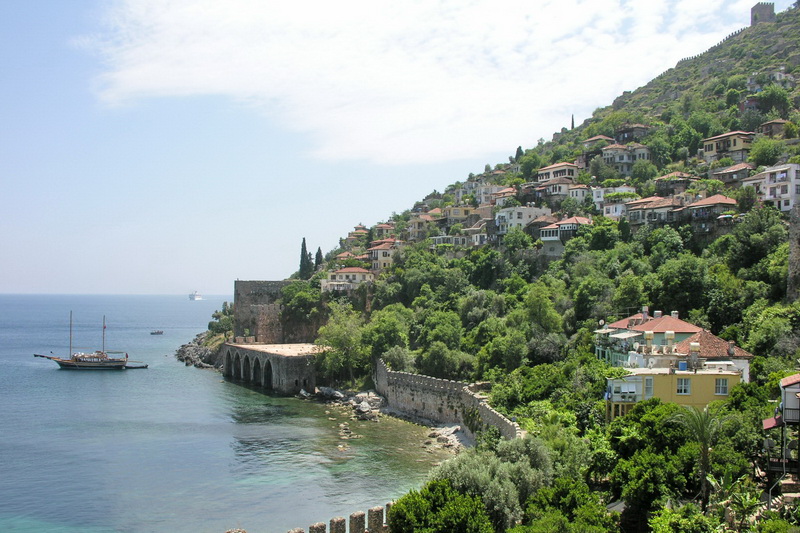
(648, 387)
(721, 386)
(784, 189)
(684, 386)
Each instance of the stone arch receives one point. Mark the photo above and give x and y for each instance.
(266, 381)
(258, 378)
(246, 374)
(237, 367)
(227, 363)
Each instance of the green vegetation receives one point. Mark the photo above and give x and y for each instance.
(524, 322)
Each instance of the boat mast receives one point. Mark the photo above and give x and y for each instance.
(104, 333)
(70, 335)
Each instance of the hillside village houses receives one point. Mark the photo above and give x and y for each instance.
(484, 210)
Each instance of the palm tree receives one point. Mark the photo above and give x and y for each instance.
(703, 427)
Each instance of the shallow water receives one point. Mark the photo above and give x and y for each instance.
(171, 448)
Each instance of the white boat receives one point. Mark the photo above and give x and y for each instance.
(194, 295)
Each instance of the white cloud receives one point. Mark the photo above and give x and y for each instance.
(403, 82)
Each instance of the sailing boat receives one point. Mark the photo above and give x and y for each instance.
(98, 360)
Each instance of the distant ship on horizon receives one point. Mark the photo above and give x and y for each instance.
(194, 295)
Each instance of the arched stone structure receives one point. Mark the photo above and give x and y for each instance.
(284, 368)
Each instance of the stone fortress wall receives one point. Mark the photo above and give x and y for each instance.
(257, 315)
(440, 401)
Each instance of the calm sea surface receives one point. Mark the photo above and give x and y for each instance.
(170, 448)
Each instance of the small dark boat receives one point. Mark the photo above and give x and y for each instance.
(157, 332)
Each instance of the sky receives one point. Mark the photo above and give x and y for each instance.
(167, 146)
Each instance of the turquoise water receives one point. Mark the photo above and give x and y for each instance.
(171, 448)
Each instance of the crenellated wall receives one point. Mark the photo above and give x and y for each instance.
(440, 401)
(373, 522)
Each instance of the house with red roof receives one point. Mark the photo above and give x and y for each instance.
(670, 359)
(651, 210)
(622, 157)
(381, 254)
(734, 144)
(557, 170)
(346, 279)
(732, 176)
(591, 142)
(674, 183)
(554, 236)
(419, 226)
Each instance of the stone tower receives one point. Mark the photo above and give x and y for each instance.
(762, 12)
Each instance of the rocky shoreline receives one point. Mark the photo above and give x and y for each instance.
(371, 406)
(361, 405)
(195, 354)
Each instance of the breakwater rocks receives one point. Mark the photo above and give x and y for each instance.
(195, 354)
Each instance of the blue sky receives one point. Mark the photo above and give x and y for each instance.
(164, 146)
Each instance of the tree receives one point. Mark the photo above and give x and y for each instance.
(765, 151)
(703, 427)
(438, 508)
(775, 97)
(343, 355)
(318, 259)
(306, 263)
(643, 170)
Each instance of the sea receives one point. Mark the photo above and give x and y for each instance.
(172, 448)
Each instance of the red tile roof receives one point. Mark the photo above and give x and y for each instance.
(351, 270)
(714, 200)
(557, 165)
(675, 175)
(729, 134)
(791, 380)
(712, 347)
(656, 325)
(735, 168)
(575, 220)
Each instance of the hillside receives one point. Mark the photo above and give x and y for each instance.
(641, 354)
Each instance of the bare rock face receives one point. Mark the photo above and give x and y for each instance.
(793, 282)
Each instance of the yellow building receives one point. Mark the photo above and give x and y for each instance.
(682, 385)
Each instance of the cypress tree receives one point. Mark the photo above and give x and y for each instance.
(306, 264)
(318, 259)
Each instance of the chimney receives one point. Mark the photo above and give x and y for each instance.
(675, 314)
(645, 310)
(694, 353)
(670, 336)
(657, 314)
(731, 348)
(648, 337)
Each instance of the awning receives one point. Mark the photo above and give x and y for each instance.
(774, 422)
(625, 335)
(604, 330)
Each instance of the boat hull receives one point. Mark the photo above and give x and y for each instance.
(88, 365)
